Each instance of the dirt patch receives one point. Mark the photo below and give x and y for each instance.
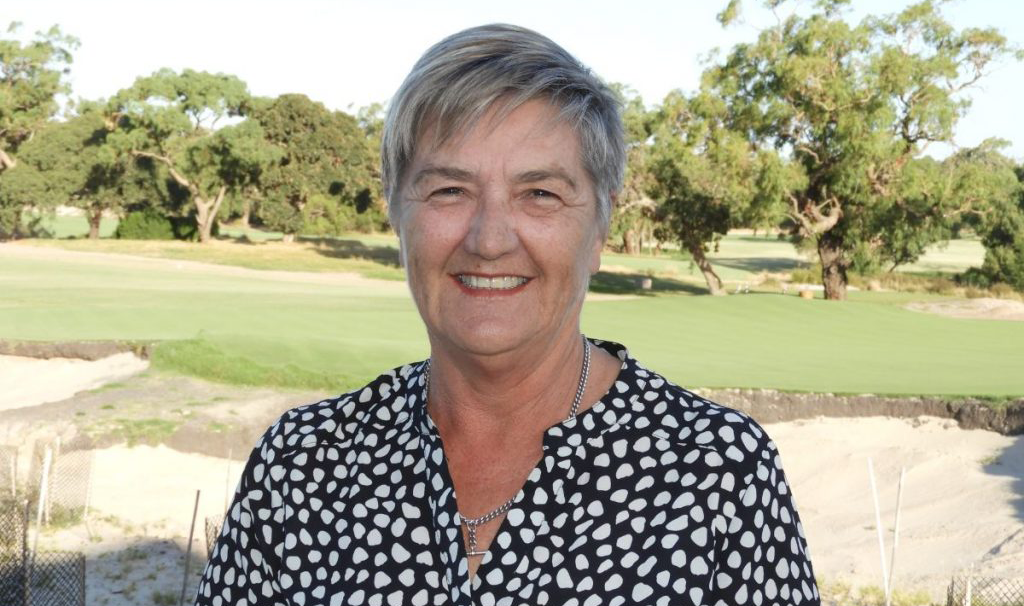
(769, 406)
(82, 350)
(977, 309)
(153, 408)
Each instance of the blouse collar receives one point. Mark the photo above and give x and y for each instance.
(612, 409)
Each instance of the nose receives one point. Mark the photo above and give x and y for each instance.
(492, 231)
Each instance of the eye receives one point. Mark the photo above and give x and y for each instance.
(541, 193)
(447, 192)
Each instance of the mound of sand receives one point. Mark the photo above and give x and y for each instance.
(31, 381)
(961, 498)
(983, 309)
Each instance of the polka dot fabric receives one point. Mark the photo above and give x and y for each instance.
(652, 496)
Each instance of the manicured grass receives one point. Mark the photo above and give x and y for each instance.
(857, 346)
(67, 226)
(365, 255)
(311, 334)
(739, 259)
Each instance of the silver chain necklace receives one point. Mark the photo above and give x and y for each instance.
(473, 523)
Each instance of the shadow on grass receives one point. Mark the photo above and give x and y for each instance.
(614, 283)
(353, 249)
(759, 264)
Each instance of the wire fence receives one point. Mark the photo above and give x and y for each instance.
(45, 578)
(70, 480)
(8, 471)
(66, 483)
(969, 590)
(213, 528)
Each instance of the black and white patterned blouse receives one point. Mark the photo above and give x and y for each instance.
(652, 496)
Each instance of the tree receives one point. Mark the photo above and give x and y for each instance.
(171, 118)
(633, 218)
(31, 78)
(325, 171)
(852, 105)
(70, 163)
(986, 174)
(708, 178)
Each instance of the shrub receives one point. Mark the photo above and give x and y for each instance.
(145, 225)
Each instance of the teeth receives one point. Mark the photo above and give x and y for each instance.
(497, 283)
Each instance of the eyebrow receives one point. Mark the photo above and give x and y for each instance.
(530, 176)
(447, 172)
(534, 176)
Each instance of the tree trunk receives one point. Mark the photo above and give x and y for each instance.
(206, 213)
(833, 266)
(6, 161)
(246, 211)
(630, 242)
(714, 282)
(95, 217)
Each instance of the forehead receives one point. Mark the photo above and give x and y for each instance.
(519, 134)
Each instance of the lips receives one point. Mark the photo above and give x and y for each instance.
(491, 282)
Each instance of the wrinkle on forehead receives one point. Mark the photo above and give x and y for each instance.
(439, 132)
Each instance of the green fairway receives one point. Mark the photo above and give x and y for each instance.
(335, 335)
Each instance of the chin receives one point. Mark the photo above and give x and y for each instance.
(488, 339)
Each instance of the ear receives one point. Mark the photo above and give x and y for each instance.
(599, 240)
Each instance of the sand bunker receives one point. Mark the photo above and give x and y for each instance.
(31, 381)
(146, 485)
(961, 498)
(982, 309)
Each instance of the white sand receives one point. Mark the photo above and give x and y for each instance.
(30, 381)
(959, 502)
(961, 499)
(982, 308)
(145, 485)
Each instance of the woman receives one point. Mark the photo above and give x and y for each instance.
(521, 463)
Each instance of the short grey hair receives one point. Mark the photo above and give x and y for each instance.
(461, 77)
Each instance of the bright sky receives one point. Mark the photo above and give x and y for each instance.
(349, 53)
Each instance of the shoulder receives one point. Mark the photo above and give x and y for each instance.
(723, 436)
(338, 420)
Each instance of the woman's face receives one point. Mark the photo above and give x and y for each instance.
(499, 232)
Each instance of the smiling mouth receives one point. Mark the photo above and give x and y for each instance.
(491, 283)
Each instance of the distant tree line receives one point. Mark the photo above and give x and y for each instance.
(817, 129)
(180, 152)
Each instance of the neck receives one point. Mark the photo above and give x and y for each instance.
(507, 396)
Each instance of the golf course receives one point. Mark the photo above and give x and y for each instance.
(240, 329)
(319, 316)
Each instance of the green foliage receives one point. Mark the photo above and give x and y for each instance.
(137, 431)
(633, 219)
(708, 178)
(200, 358)
(145, 224)
(1002, 230)
(31, 76)
(325, 171)
(168, 119)
(854, 106)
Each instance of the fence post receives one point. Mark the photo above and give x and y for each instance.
(895, 538)
(88, 494)
(967, 594)
(227, 481)
(25, 591)
(14, 473)
(49, 479)
(188, 549)
(878, 526)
